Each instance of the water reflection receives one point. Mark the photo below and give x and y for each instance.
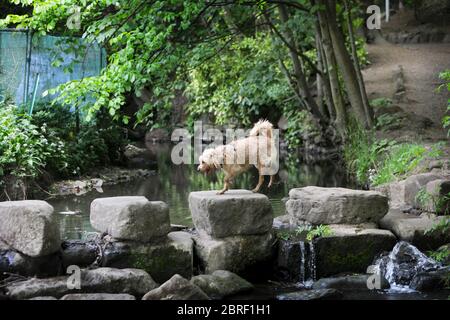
(173, 183)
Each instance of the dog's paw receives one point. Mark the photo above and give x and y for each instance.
(220, 193)
(255, 190)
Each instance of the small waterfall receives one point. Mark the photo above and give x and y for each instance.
(302, 262)
(312, 261)
(402, 264)
(297, 261)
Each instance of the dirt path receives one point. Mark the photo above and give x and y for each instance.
(421, 65)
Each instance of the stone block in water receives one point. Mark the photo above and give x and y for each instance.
(350, 248)
(318, 205)
(30, 227)
(172, 255)
(237, 254)
(12, 261)
(237, 212)
(105, 280)
(130, 218)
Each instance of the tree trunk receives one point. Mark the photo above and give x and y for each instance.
(362, 88)
(298, 67)
(345, 62)
(330, 59)
(324, 76)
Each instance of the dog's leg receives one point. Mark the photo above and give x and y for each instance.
(270, 181)
(260, 182)
(226, 186)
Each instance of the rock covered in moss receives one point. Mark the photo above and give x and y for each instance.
(171, 255)
(350, 249)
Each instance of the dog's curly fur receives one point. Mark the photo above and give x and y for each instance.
(257, 149)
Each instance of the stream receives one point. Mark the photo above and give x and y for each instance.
(173, 183)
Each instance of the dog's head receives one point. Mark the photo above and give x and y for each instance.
(209, 161)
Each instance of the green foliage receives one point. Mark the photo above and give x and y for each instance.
(25, 149)
(362, 152)
(446, 77)
(442, 227)
(389, 121)
(243, 84)
(439, 202)
(377, 162)
(319, 231)
(440, 255)
(381, 102)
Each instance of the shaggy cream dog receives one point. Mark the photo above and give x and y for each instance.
(257, 149)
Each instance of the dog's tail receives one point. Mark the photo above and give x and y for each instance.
(262, 128)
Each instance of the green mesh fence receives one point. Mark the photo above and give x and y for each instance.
(24, 56)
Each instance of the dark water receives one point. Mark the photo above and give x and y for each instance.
(173, 183)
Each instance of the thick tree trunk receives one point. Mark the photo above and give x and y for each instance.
(345, 62)
(298, 66)
(330, 60)
(362, 88)
(324, 76)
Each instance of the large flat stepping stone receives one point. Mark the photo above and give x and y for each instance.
(130, 218)
(30, 227)
(318, 205)
(237, 212)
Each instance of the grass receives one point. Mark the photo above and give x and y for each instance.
(375, 162)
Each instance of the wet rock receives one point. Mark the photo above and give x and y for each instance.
(43, 298)
(350, 249)
(351, 282)
(404, 263)
(176, 288)
(106, 280)
(98, 296)
(413, 229)
(78, 252)
(173, 255)
(30, 227)
(431, 281)
(335, 205)
(15, 262)
(237, 254)
(281, 222)
(130, 218)
(316, 294)
(237, 212)
(221, 283)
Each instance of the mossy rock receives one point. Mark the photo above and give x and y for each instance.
(350, 249)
